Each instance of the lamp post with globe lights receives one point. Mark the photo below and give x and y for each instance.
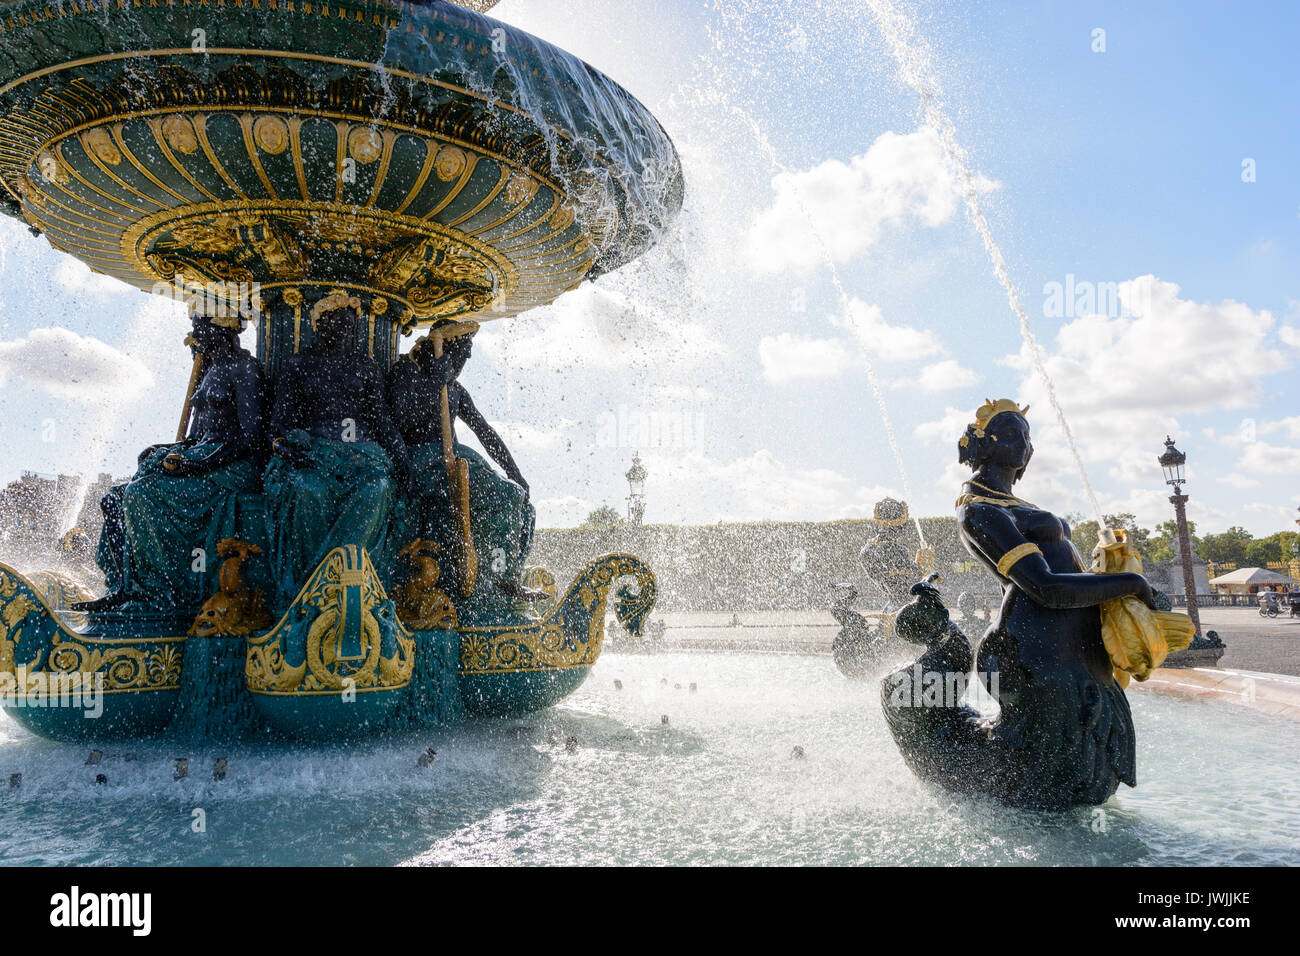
(636, 476)
(1173, 462)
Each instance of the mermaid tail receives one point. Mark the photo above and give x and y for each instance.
(1060, 741)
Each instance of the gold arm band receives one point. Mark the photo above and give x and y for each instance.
(1014, 555)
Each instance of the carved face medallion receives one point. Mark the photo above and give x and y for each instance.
(179, 133)
(449, 163)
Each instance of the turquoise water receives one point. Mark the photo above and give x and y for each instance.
(717, 784)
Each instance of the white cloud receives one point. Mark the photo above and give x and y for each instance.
(945, 376)
(1290, 426)
(787, 357)
(1176, 355)
(1125, 382)
(72, 366)
(525, 437)
(889, 343)
(840, 209)
(682, 393)
(76, 278)
(947, 429)
(1263, 458)
(564, 512)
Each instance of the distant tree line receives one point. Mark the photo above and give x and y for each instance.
(1234, 546)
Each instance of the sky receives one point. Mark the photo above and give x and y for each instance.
(825, 296)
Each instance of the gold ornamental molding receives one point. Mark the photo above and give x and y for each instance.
(341, 632)
(80, 96)
(124, 201)
(453, 166)
(436, 270)
(124, 665)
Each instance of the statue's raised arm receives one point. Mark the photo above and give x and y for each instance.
(492, 443)
(500, 516)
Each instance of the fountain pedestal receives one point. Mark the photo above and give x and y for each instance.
(432, 162)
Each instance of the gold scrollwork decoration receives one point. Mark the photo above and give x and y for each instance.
(148, 664)
(341, 632)
(572, 634)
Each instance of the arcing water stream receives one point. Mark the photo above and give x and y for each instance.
(913, 60)
(858, 333)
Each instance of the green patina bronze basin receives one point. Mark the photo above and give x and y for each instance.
(436, 162)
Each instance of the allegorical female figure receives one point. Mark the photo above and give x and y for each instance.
(886, 560)
(501, 518)
(183, 495)
(1064, 736)
(337, 459)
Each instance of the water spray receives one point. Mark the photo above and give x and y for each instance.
(913, 61)
(844, 300)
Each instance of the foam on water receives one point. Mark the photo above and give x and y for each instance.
(717, 784)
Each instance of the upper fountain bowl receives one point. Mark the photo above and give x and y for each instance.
(434, 157)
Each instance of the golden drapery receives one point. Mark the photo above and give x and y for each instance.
(1136, 637)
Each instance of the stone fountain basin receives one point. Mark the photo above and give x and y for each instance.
(716, 784)
(428, 154)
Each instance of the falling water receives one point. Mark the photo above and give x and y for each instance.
(103, 427)
(914, 67)
(844, 300)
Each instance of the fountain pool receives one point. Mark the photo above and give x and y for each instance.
(717, 784)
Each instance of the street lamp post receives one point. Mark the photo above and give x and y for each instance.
(636, 476)
(1172, 461)
(1295, 552)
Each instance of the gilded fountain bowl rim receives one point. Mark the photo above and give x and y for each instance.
(453, 92)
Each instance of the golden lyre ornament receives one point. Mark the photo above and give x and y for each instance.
(989, 411)
(1136, 637)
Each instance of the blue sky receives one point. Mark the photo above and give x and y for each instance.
(732, 339)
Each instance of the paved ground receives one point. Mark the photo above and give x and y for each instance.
(1270, 645)
(1256, 643)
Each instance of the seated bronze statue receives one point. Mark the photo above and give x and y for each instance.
(183, 495)
(1064, 736)
(337, 459)
(886, 559)
(501, 519)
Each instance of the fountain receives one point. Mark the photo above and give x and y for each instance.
(1056, 658)
(443, 169)
(341, 174)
